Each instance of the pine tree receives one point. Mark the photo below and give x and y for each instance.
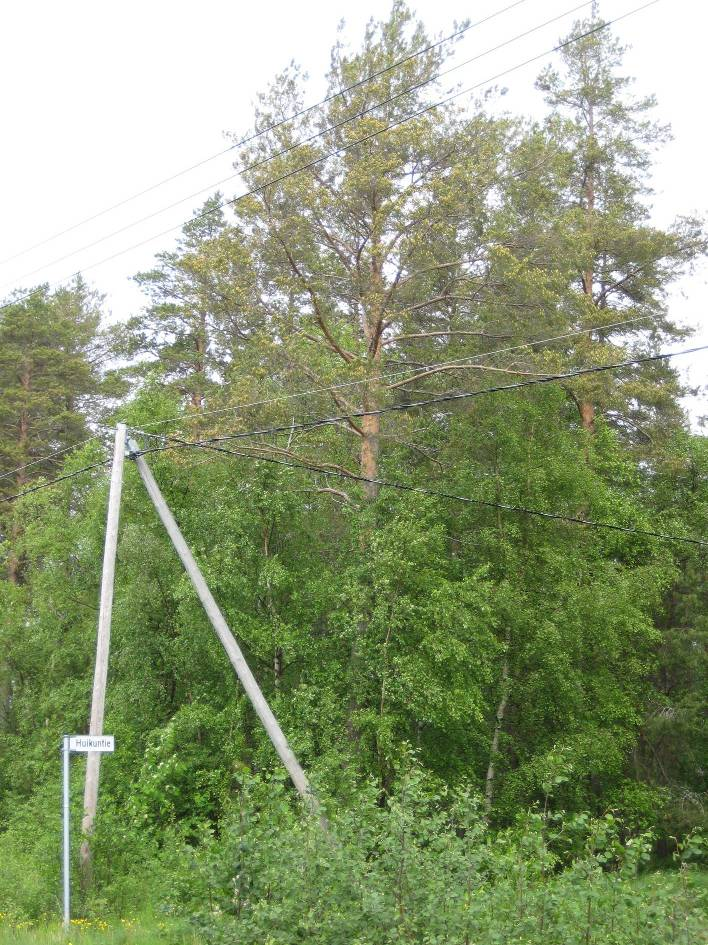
(50, 353)
(378, 246)
(618, 265)
(193, 327)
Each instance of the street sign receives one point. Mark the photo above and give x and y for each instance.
(91, 743)
(74, 743)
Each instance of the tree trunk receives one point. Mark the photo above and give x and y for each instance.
(494, 750)
(14, 562)
(371, 324)
(586, 408)
(270, 607)
(277, 667)
(5, 699)
(371, 425)
(199, 369)
(369, 452)
(587, 415)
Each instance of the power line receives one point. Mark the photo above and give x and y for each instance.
(393, 407)
(44, 459)
(384, 483)
(404, 487)
(272, 127)
(515, 176)
(53, 482)
(463, 361)
(304, 167)
(294, 147)
(465, 395)
(259, 403)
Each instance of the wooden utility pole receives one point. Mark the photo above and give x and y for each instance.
(233, 651)
(103, 643)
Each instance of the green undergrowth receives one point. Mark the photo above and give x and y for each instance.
(132, 931)
(671, 901)
(424, 868)
(427, 869)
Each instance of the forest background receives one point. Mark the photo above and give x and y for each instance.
(461, 664)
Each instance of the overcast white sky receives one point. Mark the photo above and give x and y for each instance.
(103, 99)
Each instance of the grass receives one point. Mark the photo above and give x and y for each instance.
(148, 930)
(144, 931)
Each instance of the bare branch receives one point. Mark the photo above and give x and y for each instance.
(457, 367)
(321, 321)
(608, 290)
(339, 493)
(420, 272)
(445, 297)
(415, 448)
(302, 461)
(337, 397)
(434, 334)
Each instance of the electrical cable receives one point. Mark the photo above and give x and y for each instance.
(259, 403)
(327, 389)
(272, 127)
(404, 487)
(52, 482)
(347, 147)
(49, 456)
(515, 176)
(447, 398)
(293, 147)
(455, 361)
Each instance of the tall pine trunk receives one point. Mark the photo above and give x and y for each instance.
(14, 561)
(585, 407)
(368, 467)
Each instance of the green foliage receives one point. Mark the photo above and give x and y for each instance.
(47, 375)
(427, 868)
(30, 876)
(131, 930)
(556, 670)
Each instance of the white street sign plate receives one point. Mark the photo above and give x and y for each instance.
(91, 743)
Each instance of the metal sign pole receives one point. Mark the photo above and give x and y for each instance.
(66, 876)
(84, 743)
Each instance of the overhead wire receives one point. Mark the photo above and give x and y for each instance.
(505, 387)
(413, 369)
(53, 482)
(211, 444)
(532, 343)
(208, 444)
(497, 179)
(269, 128)
(49, 456)
(338, 151)
(299, 144)
(405, 487)
(446, 398)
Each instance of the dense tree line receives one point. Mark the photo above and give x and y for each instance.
(396, 259)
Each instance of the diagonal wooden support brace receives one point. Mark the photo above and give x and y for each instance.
(233, 651)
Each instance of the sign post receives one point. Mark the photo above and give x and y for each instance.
(66, 862)
(71, 743)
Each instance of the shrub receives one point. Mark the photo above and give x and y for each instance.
(426, 868)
